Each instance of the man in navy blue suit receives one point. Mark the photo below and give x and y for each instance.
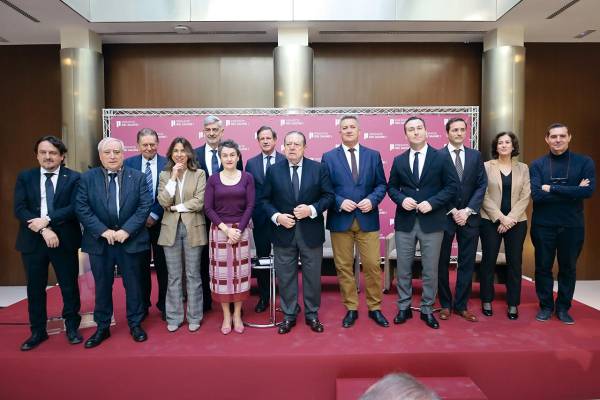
(151, 164)
(208, 158)
(113, 203)
(462, 221)
(422, 183)
(258, 166)
(296, 193)
(49, 233)
(359, 184)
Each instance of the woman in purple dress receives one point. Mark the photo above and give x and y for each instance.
(228, 202)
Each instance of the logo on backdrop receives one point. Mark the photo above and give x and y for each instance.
(181, 122)
(291, 122)
(236, 122)
(396, 121)
(398, 146)
(374, 135)
(319, 135)
(124, 123)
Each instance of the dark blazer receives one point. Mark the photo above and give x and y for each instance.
(92, 209)
(255, 167)
(438, 185)
(315, 190)
(201, 152)
(135, 162)
(371, 185)
(472, 188)
(63, 220)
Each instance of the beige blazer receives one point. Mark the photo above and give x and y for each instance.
(519, 196)
(193, 199)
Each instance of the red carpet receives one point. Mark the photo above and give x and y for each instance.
(522, 359)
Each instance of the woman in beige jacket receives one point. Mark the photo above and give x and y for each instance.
(183, 233)
(503, 218)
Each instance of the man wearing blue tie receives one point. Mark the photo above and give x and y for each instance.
(151, 164)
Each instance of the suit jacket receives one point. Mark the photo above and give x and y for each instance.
(255, 167)
(63, 220)
(315, 190)
(201, 152)
(371, 184)
(91, 206)
(519, 194)
(438, 185)
(193, 199)
(135, 162)
(471, 188)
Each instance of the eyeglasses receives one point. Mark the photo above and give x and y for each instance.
(212, 130)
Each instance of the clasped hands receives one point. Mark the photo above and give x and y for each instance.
(364, 205)
(288, 220)
(113, 236)
(410, 204)
(506, 223)
(49, 236)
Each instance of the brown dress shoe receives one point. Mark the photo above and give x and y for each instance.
(468, 315)
(444, 314)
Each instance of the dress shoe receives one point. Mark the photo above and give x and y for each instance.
(73, 336)
(286, 326)
(138, 334)
(238, 328)
(565, 317)
(444, 314)
(543, 315)
(193, 327)
(430, 321)
(512, 313)
(261, 306)
(98, 337)
(466, 314)
(172, 328)
(350, 318)
(486, 309)
(315, 325)
(34, 340)
(402, 316)
(379, 318)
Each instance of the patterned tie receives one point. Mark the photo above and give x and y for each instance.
(113, 213)
(296, 182)
(214, 163)
(49, 192)
(354, 166)
(268, 164)
(458, 164)
(415, 170)
(148, 173)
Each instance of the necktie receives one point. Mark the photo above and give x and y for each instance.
(49, 192)
(214, 163)
(458, 164)
(268, 164)
(296, 182)
(415, 170)
(353, 163)
(148, 173)
(113, 214)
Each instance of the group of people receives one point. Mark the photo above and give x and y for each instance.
(193, 211)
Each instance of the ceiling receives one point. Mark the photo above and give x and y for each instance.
(17, 29)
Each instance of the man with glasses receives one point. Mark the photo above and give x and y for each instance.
(560, 181)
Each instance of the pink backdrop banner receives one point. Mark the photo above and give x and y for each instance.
(383, 132)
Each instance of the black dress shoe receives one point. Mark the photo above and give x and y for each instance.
(512, 315)
(98, 337)
(138, 334)
(261, 306)
(350, 318)
(487, 312)
(286, 326)
(430, 321)
(315, 325)
(34, 340)
(402, 316)
(73, 336)
(379, 318)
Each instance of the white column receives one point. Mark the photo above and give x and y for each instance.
(293, 69)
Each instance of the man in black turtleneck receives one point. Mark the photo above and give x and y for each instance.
(560, 181)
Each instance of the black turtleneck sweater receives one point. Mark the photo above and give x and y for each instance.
(563, 205)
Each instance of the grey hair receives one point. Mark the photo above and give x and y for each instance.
(108, 140)
(398, 387)
(211, 119)
(354, 117)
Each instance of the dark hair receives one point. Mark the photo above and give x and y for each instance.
(192, 164)
(554, 126)
(146, 132)
(230, 144)
(413, 119)
(295, 133)
(453, 120)
(345, 117)
(513, 139)
(54, 141)
(266, 128)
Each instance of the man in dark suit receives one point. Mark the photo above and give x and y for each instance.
(359, 184)
(258, 166)
(113, 203)
(151, 164)
(296, 193)
(208, 158)
(422, 184)
(49, 233)
(462, 220)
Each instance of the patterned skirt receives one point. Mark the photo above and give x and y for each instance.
(229, 266)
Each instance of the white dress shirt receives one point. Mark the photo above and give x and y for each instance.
(208, 159)
(54, 180)
(272, 161)
(154, 171)
(422, 154)
(349, 156)
(313, 210)
(451, 149)
(170, 188)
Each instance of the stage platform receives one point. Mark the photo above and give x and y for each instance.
(522, 359)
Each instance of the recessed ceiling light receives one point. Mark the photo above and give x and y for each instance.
(562, 9)
(584, 34)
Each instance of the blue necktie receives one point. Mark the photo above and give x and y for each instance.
(113, 213)
(148, 173)
(296, 182)
(214, 162)
(415, 170)
(49, 192)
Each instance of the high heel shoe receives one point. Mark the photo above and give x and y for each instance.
(238, 328)
(512, 315)
(487, 311)
(226, 329)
